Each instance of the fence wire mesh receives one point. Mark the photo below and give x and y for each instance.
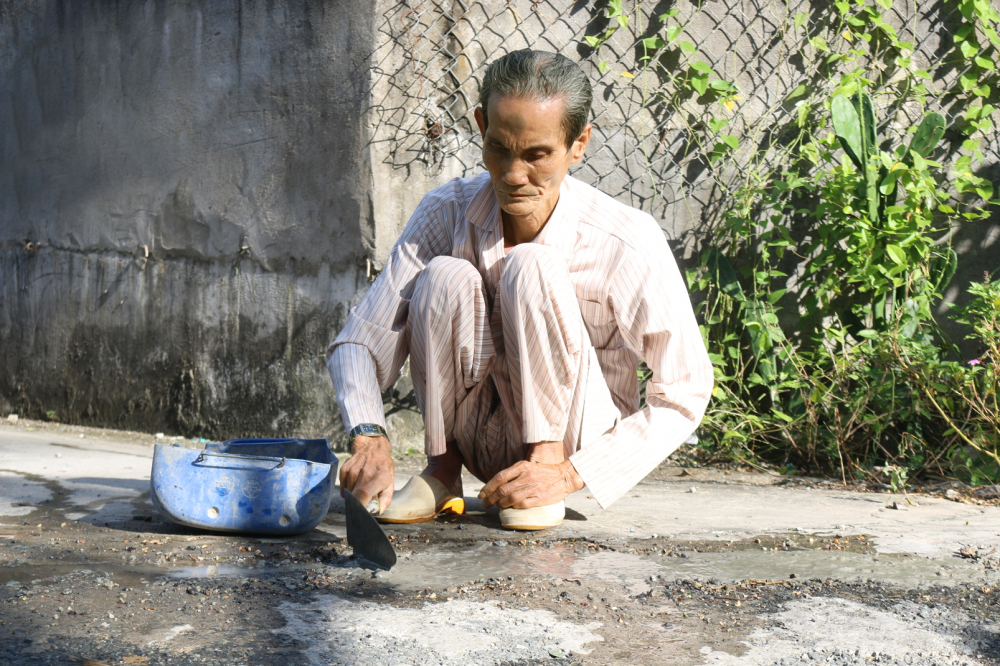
(432, 54)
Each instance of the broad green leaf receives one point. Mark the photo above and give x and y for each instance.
(673, 32)
(888, 183)
(968, 80)
(798, 92)
(593, 41)
(896, 254)
(847, 125)
(781, 415)
(602, 67)
(725, 277)
(733, 142)
(992, 35)
(670, 14)
(718, 152)
(962, 33)
(968, 48)
(703, 67)
(652, 43)
(984, 62)
(687, 46)
(717, 124)
(700, 83)
(819, 44)
(922, 73)
(800, 19)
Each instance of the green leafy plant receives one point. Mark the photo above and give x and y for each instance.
(819, 286)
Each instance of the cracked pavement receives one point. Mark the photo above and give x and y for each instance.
(694, 566)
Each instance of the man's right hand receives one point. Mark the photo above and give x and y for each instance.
(370, 471)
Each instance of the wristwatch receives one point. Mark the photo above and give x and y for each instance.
(368, 430)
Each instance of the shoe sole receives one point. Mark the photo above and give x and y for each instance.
(455, 505)
(530, 528)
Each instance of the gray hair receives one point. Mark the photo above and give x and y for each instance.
(542, 76)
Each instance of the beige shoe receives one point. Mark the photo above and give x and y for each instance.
(535, 518)
(422, 498)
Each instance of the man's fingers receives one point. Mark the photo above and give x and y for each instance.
(522, 498)
(375, 486)
(385, 498)
(349, 474)
(501, 478)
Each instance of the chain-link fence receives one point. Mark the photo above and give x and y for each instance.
(777, 56)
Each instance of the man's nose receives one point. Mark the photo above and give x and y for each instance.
(516, 172)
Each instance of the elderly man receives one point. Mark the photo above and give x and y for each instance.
(524, 300)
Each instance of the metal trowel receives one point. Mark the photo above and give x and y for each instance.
(365, 535)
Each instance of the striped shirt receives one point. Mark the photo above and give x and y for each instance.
(631, 295)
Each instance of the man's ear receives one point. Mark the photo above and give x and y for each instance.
(579, 146)
(480, 120)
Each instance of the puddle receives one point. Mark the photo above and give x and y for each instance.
(214, 570)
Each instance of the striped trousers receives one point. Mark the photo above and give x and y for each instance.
(496, 374)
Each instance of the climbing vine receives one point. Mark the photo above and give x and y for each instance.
(821, 282)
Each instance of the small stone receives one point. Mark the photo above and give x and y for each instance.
(13, 418)
(692, 490)
(988, 492)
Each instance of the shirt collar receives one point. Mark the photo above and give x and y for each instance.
(559, 232)
(483, 210)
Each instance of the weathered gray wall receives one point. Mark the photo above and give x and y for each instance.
(185, 209)
(190, 193)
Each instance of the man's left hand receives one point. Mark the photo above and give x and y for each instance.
(528, 484)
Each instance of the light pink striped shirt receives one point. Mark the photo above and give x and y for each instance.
(631, 294)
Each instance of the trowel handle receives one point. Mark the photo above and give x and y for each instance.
(373, 506)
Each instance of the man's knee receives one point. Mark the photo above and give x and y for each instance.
(446, 280)
(532, 263)
(442, 273)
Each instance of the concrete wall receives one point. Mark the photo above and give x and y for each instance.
(191, 194)
(185, 209)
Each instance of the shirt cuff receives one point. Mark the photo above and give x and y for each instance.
(352, 370)
(616, 462)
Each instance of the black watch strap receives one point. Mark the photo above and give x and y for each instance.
(368, 430)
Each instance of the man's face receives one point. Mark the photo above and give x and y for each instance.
(524, 149)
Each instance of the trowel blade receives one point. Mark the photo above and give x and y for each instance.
(365, 535)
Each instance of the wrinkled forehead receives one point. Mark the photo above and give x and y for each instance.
(526, 119)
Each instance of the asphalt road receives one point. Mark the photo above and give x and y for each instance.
(695, 566)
